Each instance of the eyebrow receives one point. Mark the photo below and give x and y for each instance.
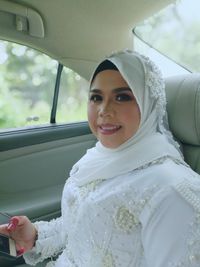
(115, 90)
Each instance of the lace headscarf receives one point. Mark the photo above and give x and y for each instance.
(151, 142)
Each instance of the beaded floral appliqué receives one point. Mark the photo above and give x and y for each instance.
(126, 216)
(108, 260)
(125, 220)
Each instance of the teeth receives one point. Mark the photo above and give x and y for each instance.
(110, 128)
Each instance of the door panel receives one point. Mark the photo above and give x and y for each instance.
(32, 176)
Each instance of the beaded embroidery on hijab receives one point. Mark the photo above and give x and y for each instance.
(154, 89)
(151, 142)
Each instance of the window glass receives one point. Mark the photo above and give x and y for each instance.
(72, 100)
(166, 65)
(175, 32)
(27, 79)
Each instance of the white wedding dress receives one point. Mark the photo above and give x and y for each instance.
(149, 217)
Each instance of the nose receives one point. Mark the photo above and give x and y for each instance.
(106, 109)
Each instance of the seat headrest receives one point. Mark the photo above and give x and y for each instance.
(183, 107)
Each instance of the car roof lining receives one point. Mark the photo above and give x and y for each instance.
(90, 23)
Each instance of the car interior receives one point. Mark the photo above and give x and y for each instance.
(35, 161)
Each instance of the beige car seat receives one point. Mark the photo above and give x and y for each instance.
(183, 106)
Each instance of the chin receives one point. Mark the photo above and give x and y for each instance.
(109, 145)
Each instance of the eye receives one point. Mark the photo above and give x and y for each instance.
(123, 97)
(95, 98)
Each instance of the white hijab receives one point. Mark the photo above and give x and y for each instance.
(152, 140)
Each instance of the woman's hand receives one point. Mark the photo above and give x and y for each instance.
(22, 231)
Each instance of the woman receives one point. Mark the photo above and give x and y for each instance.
(131, 200)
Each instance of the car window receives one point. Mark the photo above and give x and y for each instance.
(27, 79)
(174, 31)
(72, 100)
(167, 66)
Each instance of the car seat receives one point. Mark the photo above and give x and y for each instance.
(183, 106)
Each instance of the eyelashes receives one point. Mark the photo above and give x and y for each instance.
(124, 97)
(96, 98)
(121, 97)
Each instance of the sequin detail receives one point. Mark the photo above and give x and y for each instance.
(161, 160)
(90, 187)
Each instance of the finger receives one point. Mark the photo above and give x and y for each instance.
(16, 221)
(21, 220)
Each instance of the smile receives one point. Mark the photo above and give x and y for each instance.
(109, 129)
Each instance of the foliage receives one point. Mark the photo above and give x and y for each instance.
(174, 34)
(27, 85)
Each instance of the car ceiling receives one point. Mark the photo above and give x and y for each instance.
(79, 33)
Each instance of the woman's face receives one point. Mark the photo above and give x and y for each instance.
(113, 112)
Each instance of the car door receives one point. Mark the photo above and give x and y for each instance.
(36, 157)
(34, 166)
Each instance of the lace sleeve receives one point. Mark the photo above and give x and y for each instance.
(166, 231)
(51, 241)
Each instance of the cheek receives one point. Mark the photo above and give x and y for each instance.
(91, 113)
(132, 117)
(137, 115)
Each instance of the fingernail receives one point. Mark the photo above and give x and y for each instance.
(13, 224)
(15, 221)
(20, 251)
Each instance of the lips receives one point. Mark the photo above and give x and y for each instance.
(108, 129)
